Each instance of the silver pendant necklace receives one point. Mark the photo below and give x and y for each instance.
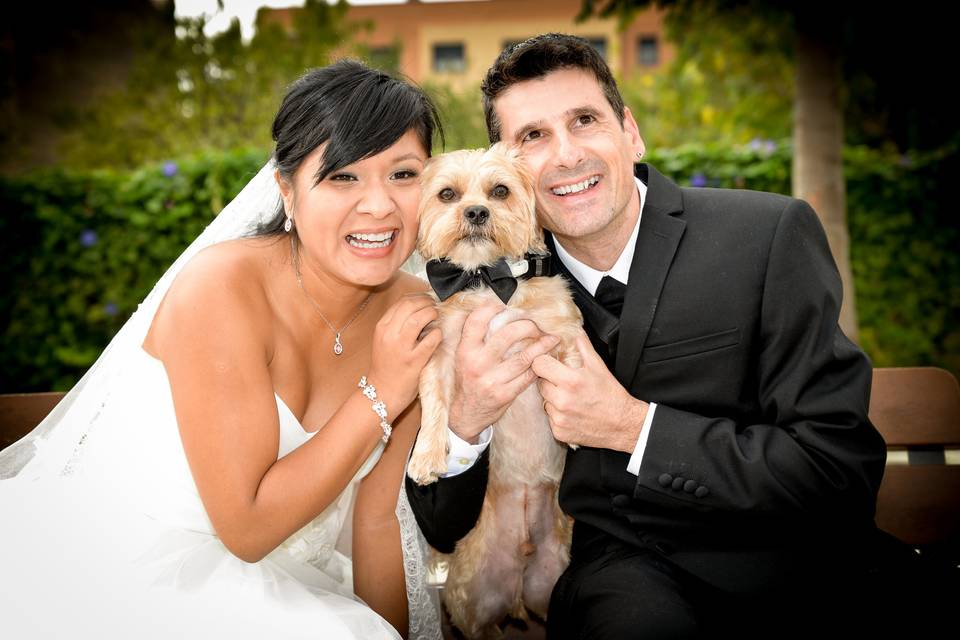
(337, 345)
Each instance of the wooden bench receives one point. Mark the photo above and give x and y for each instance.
(916, 409)
(21, 412)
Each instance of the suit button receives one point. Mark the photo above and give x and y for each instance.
(665, 479)
(690, 486)
(621, 500)
(678, 483)
(701, 492)
(664, 547)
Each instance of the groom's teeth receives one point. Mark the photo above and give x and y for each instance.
(576, 188)
(370, 240)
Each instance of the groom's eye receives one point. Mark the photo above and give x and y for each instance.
(532, 135)
(447, 194)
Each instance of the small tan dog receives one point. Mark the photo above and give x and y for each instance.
(477, 228)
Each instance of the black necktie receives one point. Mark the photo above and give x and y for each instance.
(610, 294)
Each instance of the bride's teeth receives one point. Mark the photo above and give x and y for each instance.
(576, 188)
(373, 237)
(370, 240)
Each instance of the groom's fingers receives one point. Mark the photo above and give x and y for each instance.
(549, 368)
(522, 360)
(476, 324)
(504, 338)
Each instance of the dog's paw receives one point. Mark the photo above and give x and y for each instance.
(424, 469)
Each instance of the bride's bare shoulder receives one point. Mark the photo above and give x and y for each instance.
(224, 284)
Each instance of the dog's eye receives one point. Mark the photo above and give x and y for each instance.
(500, 192)
(447, 194)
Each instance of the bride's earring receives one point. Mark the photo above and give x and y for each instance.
(288, 225)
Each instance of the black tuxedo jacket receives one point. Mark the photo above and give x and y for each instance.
(761, 464)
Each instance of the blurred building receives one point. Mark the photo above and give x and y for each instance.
(455, 42)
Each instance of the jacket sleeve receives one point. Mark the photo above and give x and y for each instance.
(814, 456)
(447, 509)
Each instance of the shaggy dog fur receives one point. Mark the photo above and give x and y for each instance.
(509, 563)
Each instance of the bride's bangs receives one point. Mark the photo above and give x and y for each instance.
(377, 113)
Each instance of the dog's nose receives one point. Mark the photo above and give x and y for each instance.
(476, 214)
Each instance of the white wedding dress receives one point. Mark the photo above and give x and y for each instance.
(103, 534)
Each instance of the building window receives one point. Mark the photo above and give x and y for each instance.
(648, 52)
(600, 44)
(449, 58)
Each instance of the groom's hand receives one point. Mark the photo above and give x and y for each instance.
(486, 383)
(588, 406)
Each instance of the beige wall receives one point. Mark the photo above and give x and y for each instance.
(483, 27)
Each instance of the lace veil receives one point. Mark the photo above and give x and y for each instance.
(55, 446)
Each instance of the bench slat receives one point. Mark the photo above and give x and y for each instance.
(21, 412)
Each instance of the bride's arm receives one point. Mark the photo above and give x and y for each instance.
(213, 339)
(378, 570)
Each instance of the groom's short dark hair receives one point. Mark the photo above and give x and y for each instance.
(535, 58)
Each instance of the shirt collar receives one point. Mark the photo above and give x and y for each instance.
(590, 277)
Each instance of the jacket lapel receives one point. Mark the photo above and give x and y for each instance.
(657, 242)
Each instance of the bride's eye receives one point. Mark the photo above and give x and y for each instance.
(405, 174)
(342, 177)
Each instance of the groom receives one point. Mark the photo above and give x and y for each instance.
(727, 472)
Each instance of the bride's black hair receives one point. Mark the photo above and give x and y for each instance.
(356, 110)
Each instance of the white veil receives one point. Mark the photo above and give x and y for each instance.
(55, 446)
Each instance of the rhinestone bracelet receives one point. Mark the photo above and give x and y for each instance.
(378, 407)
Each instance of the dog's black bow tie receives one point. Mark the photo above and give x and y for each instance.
(447, 278)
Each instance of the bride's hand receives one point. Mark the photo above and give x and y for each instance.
(399, 353)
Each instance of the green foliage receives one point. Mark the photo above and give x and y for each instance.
(462, 117)
(731, 80)
(197, 93)
(83, 248)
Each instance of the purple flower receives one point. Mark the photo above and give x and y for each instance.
(111, 309)
(755, 144)
(769, 146)
(88, 237)
(170, 169)
(698, 180)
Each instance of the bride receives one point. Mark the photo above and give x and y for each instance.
(231, 466)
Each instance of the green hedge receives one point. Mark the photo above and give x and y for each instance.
(82, 249)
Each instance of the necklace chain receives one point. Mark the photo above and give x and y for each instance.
(337, 345)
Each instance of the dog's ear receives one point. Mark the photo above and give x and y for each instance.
(511, 151)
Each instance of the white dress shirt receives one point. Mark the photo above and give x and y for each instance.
(462, 455)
